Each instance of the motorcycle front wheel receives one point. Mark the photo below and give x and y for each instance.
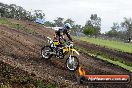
(72, 63)
(46, 52)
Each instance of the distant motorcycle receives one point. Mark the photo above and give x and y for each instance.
(72, 62)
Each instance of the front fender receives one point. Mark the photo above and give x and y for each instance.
(75, 51)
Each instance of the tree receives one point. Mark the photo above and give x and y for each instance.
(17, 12)
(76, 29)
(20, 13)
(96, 22)
(89, 30)
(117, 32)
(114, 30)
(39, 14)
(1, 10)
(94, 25)
(59, 22)
(127, 26)
(29, 16)
(112, 33)
(70, 21)
(115, 26)
(4, 10)
(12, 10)
(48, 24)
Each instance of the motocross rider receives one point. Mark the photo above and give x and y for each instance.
(59, 34)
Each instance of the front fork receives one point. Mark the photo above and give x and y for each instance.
(71, 60)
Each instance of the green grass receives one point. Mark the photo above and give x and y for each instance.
(6, 22)
(116, 63)
(120, 46)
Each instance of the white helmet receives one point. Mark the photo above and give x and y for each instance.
(67, 26)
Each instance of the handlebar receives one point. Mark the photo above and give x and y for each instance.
(69, 44)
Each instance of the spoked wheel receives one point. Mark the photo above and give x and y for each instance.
(72, 63)
(46, 52)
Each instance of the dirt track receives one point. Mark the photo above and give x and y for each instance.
(20, 49)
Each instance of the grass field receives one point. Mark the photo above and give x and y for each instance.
(120, 46)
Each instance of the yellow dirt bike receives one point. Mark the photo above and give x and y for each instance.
(72, 62)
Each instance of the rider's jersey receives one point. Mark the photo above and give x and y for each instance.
(62, 32)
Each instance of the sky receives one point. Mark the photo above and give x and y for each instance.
(80, 10)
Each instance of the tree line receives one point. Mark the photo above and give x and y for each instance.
(122, 31)
(18, 12)
(92, 26)
(59, 22)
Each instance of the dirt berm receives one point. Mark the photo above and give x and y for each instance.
(21, 49)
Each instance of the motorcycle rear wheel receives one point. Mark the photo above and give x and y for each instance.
(45, 52)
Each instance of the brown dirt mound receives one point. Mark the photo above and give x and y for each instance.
(22, 50)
